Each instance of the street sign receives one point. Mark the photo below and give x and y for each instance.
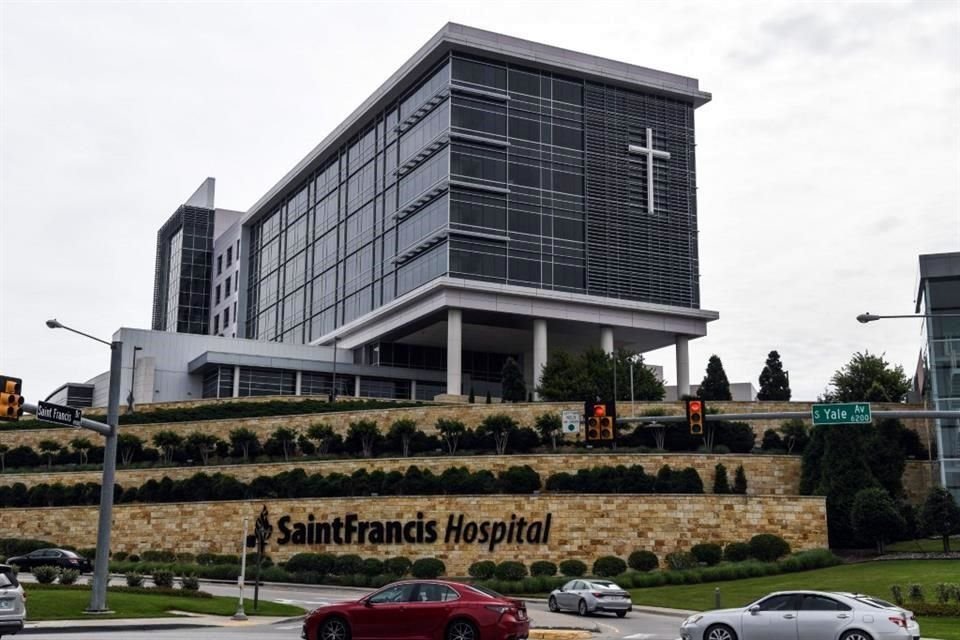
(59, 414)
(571, 422)
(849, 413)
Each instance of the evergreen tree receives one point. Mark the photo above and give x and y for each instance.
(511, 380)
(844, 472)
(868, 378)
(489, 399)
(589, 375)
(875, 518)
(720, 482)
(715, 385)
(472, 398)
(740, 481)
(774, 384)
(941, 515)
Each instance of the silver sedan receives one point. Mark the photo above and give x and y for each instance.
(590, 596)
(805, 615)
(13, 608)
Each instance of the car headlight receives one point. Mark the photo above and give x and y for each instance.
(694, 619)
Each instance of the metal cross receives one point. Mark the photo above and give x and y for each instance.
(651, 153)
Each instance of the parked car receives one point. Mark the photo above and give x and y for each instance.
(805, 615)
(591, 596)
(13, 603)
(427, 609)
(51, 558)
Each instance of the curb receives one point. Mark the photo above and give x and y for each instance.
(114, 627)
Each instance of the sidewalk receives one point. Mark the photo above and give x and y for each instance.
(181, 621)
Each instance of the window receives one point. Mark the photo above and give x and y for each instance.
(479, 116)
(216, 299)
(398, 593)
(812, 602)
(219, 264)
(482, 259)
(236, 281)
(424, 176)
(429, 592)
(422, 269)
(229, 256)
(779, 603)
(477, 163)
(478, 210)
(226, 288)
(216, 324)
(226, 317)
(479, 73)
(567, 91)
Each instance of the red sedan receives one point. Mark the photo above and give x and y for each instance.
(421, 610)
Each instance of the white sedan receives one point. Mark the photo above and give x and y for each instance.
(805, 615)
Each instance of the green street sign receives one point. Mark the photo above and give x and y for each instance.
(849, 413)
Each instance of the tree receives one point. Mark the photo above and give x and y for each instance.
(489, 399)
(130, 446)
(323, 434)
(740, 481)
(514, 389)
(168, 442)
(244, 442)
(403, 430)
(874, 516)
(549, 426)
(499, 427)
(3, 457)
(940, 515)
(202, 445)
(774, 384)
(49, 448)
(715, 385)
(720, 482)
(795, 434)
(82, 446)
(451, 431)
(286, 440)
(590, 375)
(868, 378)
(366, 432)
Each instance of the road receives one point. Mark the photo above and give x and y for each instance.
(638, 625)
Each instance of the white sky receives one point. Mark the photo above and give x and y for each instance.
(827, 161)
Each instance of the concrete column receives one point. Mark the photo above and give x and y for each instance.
(298, 385)
(413, 389)
(539, 352)
(236, 382)
(356, 386)
(683, 366)
(454, 351)
(606, 340)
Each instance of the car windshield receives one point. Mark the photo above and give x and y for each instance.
(6, 572)
(5, 581)
(490, 593)
(604, 584)
(876, 602)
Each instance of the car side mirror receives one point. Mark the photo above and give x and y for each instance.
(753, 610)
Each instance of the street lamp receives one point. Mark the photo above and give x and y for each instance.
(98, 595)
(864, 318)
(333, 386)
(133, 380)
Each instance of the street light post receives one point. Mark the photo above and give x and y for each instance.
(864, 318)
(133, 380)
(101, 566)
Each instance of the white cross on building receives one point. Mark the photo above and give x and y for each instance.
(651, 153)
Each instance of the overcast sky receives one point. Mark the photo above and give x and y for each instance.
(828, 160)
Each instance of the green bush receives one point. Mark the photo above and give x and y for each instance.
(510, 570)
(232, 558)
(134, 579)
(896, 591)
(736, 552)
(543, 568)
(46, 575)
(204, 559)
(163, 579)
(276, 574)
(573, 568)
(189, 583)
(399, 566)
(186, 558)
(321, 563)
(482, 570)
(767, 547)
(643, 560)
(681, 560)
(133, 557)
(347, 564)
(69, 576)
(609, 566)
(152, 555)
(915, 592)
(120, 556)
(428, 568)
(372, 567)
(707, 553)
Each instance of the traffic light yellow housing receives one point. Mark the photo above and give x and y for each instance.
(11, 402)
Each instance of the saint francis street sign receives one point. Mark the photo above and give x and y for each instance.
(59, 414)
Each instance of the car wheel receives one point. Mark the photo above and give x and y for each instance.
(582, 607)
(334, 629)
(621, 614)
(461, 630)
(552, 604)
(720, 632)
(856, 634)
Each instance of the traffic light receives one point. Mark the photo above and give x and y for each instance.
(608, 423)
(695, 416)
(601, 421)
(11, 402)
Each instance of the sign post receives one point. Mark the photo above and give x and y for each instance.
(849, 413)
(262, 531)
(59, 414)
(240, 614)
(571, 422)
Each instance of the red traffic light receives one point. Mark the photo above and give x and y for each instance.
(599, 410)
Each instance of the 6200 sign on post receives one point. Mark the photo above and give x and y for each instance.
(850, 413)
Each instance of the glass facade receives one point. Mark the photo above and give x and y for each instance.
(488, 171)
(182, 288)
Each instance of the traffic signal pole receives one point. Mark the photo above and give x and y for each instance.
(785, 415)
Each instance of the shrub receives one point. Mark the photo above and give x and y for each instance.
(46, 575)
(189, 583)
(896, 591)
(321, 563)
(152, 555)
(707, 553)
(428, 568)
(519, 480)
(736, 552)
(372, 567)
(276, 574)
(69, 576)
(609, 566)
(768, 547)
(915, 592)
(120, 556)
(134, 579)
(680, 560)
(133, 557)
(163, 579)
(510, 570)
(482, 570)
(543, 568)
(943, 591)
(573, 568)
(186, 558)
(347, 564)
(643, 560)
(398, 566)
(90, 553)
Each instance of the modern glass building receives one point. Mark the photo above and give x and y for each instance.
(938, 296)
(494, 198)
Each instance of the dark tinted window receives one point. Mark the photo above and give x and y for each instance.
(779, 603)
(396, 593)
(822, 603)
(474, 72)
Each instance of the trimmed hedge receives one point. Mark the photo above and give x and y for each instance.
(643, 560)
(736, 552)
(767, 547)
(543, 568)
(482, 570)
(707, 553)
(428, 568)
(510, 570)
(573, 568)
(609, 566)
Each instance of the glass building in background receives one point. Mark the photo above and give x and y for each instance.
(939, 295)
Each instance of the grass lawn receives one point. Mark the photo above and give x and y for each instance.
(874, 578)
(51, 603)
(924, 544)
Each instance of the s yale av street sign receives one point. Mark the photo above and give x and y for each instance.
(850, 413)
(59, 414)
